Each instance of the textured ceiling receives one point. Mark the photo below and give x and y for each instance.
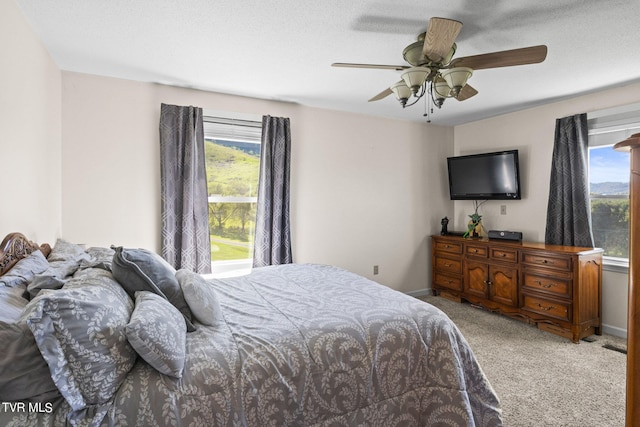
(282, 49)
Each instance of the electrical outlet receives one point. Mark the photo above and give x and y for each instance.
(375, 270)
(503, 209)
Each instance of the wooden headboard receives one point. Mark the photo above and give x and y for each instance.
(16, 246)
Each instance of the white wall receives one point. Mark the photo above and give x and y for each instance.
(30, 131)
(365, 190)
(532, 131)
(370, 191)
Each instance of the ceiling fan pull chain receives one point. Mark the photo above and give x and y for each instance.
(427, 107)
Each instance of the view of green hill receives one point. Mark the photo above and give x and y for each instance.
(610, 188)
(230, 171)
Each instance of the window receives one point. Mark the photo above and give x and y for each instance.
(609, 194)
(609, 181)
(232, 150)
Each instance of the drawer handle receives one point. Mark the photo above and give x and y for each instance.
(544, 261)
(547, 286)
(488, 282)
(448, 265)
(547, 308)
(503, 255)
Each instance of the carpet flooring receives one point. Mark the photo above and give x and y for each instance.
(540, 378)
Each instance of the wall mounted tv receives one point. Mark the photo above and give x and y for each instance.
(487, 176)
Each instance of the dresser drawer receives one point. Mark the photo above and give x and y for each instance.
(504, 254)
(542, 260)
(548, 308)
(454, 248)
(477, 251)
(449, 265)
(553, 285)
(446, 281)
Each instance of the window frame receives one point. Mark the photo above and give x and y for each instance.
(610, 263)
(607, 127)
(241, 128)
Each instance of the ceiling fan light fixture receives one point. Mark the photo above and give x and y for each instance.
(401, 91)
(413, 53)
(432, 71)
(441, 89)
(456, 78)
(449, 56)
(415, 77)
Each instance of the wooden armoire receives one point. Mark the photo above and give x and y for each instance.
(632, 144)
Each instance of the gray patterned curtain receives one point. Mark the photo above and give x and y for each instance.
(568, 211)
(273, 233)
(185, 210)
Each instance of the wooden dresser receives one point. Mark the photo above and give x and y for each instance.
(557, 288)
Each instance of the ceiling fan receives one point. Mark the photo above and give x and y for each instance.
(433, 70)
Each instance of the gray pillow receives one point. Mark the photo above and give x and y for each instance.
(64, 251)
(158, 333)
(25, 269)
(200, 296)
(80, 331)
(143, 270)
(98, 258)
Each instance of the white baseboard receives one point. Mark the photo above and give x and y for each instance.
(615, 331)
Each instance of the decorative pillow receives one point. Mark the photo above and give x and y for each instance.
(158, 333)
(98, 258)
(25, 270)
(200, 296)
(142, 270)
(24, 374)
(65, 251)
(80, 331)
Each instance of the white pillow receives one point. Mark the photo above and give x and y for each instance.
(200, 296)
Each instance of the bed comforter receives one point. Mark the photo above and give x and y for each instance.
(304, 345)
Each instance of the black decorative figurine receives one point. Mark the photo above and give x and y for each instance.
(444, 222)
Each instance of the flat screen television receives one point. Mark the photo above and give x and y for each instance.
(487, 176)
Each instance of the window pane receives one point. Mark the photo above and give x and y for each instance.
(232, 179)
(609, 191)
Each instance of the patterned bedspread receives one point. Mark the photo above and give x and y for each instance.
(311, 345)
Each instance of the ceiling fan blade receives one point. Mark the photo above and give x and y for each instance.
(375, 66)
(504, 58)
(466, 92)
(381, 95)
(441, 35)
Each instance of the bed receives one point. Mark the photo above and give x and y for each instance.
(116, 337)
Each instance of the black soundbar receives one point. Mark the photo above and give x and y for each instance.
(505, 235)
